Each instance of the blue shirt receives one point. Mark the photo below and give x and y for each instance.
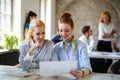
(56, 38)
(80, 54)
(40, 54)
(26, 26)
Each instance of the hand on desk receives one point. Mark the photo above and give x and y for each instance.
(17, 66)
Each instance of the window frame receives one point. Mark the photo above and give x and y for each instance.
(5, 12)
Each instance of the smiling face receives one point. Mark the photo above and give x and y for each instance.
(65, 31)
(38, 34)
(106, 19)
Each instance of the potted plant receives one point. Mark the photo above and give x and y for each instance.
(10, 41)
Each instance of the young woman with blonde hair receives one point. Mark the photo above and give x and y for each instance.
(35, 47)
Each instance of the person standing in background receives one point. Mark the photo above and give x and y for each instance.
(31, 15)
(87, 38)
(106, 34)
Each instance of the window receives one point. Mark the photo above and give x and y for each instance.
(5, 17)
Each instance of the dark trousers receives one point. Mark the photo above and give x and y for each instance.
(115, 68)
(102, 65)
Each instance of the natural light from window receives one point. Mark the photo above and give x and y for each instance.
(5, 17)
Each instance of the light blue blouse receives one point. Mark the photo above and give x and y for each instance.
(40, 54)
(80, 54)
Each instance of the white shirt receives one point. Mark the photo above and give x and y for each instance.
(103, 28)
(89, 42)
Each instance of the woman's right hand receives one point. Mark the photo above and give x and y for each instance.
(113, 31)
(76, 73)
(36, 45)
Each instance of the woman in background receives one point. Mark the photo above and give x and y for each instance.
(31, 15)
(70, 48)
(106, 34)
(35, 47)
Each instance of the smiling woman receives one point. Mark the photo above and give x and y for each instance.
(35, 48)
(70, 48)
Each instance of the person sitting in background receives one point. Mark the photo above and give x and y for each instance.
(115, 67)
(35, 47)
(87, 38)
(70, 48)
(31, 15)
(115, 46)
(56, 37)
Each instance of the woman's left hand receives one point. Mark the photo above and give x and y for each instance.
(76, 73)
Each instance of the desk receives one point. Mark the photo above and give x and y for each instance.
(107, 55)
(93, 76)
(100, 76)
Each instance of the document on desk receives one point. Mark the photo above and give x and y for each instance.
(56, 68)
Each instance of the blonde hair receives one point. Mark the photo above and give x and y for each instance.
(33, 24)
(107, 14)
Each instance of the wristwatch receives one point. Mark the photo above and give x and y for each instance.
(83, 73)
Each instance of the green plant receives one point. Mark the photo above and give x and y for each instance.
(10, 41)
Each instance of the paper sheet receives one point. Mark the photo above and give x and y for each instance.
(56, 68)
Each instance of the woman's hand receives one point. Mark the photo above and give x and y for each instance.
(36, 45)
(91, 37)
(113, 31)
(17, 66)
(76, 73)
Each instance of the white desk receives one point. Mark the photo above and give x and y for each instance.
(100, 76)
(107, 55)
(93, 76)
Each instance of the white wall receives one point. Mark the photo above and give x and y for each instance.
(46, 8)
(21, 8)
(48, 16)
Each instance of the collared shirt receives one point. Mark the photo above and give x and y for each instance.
(40, 54)
(105, 29)
(80, 54)
(88, 42)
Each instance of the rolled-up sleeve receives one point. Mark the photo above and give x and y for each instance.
(83, 59)
(24, 59)
(55, 54)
